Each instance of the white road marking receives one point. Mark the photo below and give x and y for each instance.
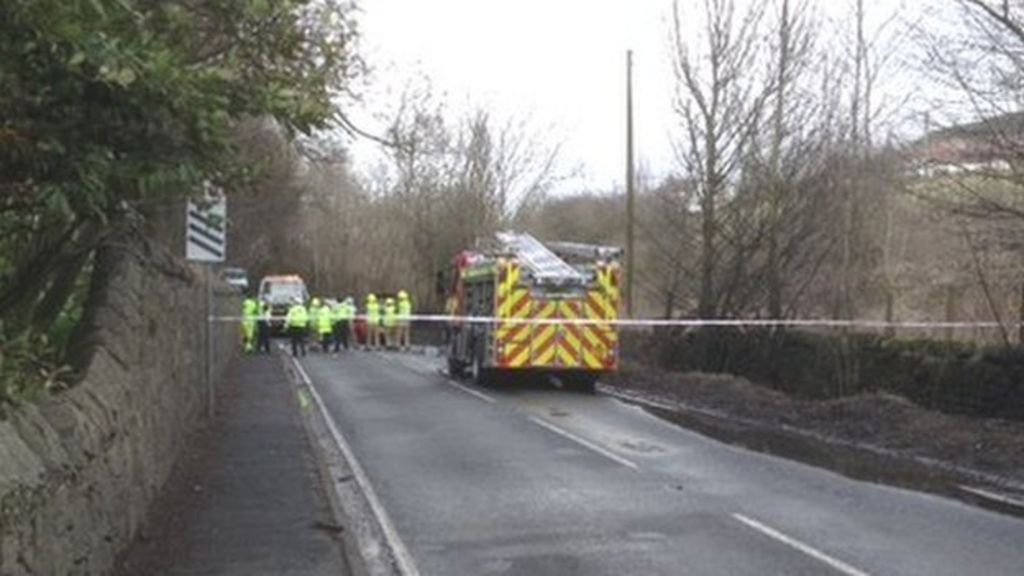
(471, 392)
(585, 443)
(991, 495)
(836, 564)
(401, 554)
(549, 426)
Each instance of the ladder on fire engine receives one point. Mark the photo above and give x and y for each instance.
(590, 252)
(544, 264)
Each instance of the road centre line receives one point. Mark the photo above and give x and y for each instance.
(834, 563)
(447, 380)
(471, 392)
(551, 427)
(403, 558)
(585, 443)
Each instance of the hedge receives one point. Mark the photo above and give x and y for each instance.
(957, 378)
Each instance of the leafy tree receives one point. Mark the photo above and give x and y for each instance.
(110, 106)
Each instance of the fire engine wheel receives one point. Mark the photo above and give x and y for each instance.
(456, 369)
(477, 373)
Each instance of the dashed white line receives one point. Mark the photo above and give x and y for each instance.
(471, 392)
(549, 426)
(836, 564)
(402, 557)
(585, 443)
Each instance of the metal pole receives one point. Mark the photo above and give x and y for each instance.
(630, 181)
(210, 396)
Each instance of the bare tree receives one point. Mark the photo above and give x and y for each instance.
(448, 180)
(764, 196)
(793, 53)
(266, 213)
(667, 223)
(719, 98)
(975, 170)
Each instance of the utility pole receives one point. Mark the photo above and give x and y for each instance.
(630, 186)
(1020, 317)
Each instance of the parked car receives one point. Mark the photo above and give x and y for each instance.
(236, 277)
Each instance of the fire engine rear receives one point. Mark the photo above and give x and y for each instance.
(522, 305)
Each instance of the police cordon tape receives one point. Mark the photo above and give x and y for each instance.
(668, 323)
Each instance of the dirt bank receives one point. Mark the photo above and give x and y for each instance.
(879, 437)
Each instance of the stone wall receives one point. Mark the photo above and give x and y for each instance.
(78, 470)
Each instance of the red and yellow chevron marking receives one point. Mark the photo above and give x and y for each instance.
(520, 338)
(582, 344)
(510, 298)
(557, 345)
(517, 339)
(604, 303)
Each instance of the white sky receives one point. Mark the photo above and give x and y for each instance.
(561, 63)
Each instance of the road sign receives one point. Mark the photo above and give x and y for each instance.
(206, 230)
(206, 241)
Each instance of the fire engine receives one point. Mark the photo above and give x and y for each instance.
(512, 279)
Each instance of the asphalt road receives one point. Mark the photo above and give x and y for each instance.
(536, 480)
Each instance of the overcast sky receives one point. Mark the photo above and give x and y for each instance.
(559, 62)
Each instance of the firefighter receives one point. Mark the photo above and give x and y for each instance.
(297, 323)
(404, 319)
(451, 308)
(263, 327)
(372, 321)
(389, 321)
(343, 312)
(314, 313)
(325, 326)
(352, 311)
(250, 309)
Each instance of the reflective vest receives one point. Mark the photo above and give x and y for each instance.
(250, 309)
(325, 320)
(343, 312)
(298, 317)
(389, 314)
(372, 312)
(404, 308)
(314, 313)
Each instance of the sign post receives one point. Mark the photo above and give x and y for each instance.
(206, 242)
